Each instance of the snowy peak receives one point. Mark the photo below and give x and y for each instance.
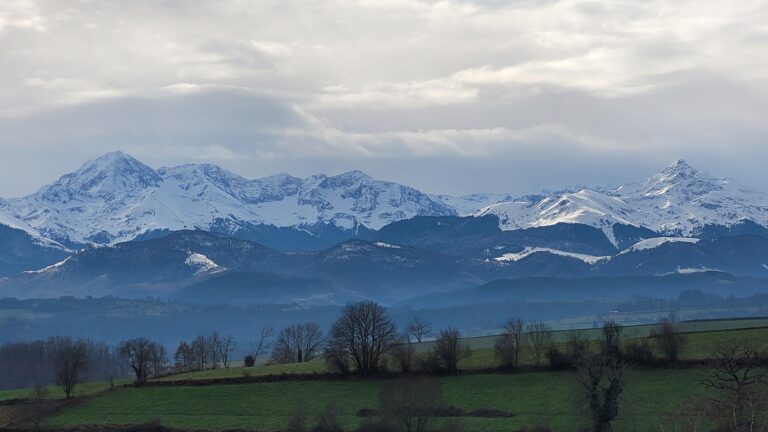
(680, 180)
(111, 173)
(678, 201)
(115, 198)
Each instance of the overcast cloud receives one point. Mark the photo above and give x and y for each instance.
(448, 96)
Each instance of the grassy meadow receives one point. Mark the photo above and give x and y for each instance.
(533, 398)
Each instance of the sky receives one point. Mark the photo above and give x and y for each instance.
(447, 96)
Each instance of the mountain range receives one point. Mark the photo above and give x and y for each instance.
(119, 227)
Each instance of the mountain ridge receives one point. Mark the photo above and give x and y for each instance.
(115, 198)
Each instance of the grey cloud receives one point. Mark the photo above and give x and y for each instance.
(451, 96)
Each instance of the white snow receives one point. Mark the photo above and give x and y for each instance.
(386, 245)
(516, 256)
(678, 201)
(653, 243)
(50, 268)
(119, 196)
(202, 263)
(694, 270)
(122, 197)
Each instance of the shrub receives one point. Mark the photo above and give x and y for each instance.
(404, 355)
(449, 350)
(298, 420)
(366, 412)
(249, 361)
(559, 360)
(639, 353)
(328, 420)
(409, 402)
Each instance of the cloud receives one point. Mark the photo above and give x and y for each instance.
(431, 86)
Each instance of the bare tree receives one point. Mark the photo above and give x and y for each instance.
(601, 378)
(213, 343)
(38, 398)
(366, 332)
(509, 344)
(228, 347)
(69, 358)
(298, 343)
(408, 403)
(418, 329)
(736, 376)
(184, 357)
(138, 353)
(449, 350)
(200, 352)
(263, 342)
(158, 359)
(539, 337)
(669, 341)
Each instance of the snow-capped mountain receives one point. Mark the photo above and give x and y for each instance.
(678, 201)
(116, 198)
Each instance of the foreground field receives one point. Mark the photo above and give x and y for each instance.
(540, 398)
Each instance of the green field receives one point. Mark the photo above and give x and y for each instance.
(700, 346)
(55, 392)
(535, 398)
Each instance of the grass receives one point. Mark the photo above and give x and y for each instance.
(700, 346)
(315, 366)
(55, 392)
(536, 398)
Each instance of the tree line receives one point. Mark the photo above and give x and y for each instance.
(64, 361)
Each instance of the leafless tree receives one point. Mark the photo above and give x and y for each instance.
(509, 344)
(138, 353)
(228, 347)
(213, 344)
(737, 376)
(200, 352)
(539, 337)
(669, 341)
(418, 329)
(263, 342)
(297, 343)
(366, 332)
(183, 357)
(158, 359)
(38, 399)
(69, 358)
(408, 402)
(449, 350)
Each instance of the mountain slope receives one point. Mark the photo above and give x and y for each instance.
(116, 198)
(679, 201)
